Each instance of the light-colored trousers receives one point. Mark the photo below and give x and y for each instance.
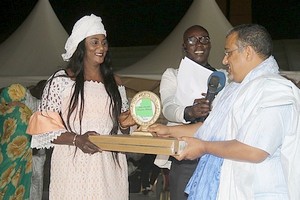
(36, 189)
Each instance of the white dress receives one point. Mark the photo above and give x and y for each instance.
(74, 174)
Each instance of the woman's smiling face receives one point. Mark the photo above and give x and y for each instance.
(96, 49)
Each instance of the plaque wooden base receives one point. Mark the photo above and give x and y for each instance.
(138, 144)
(141, 133)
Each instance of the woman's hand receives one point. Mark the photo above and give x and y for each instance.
(194, 149)
(86, 146)
(159, 130)
(126, 120)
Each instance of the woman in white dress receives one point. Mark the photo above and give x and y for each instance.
(84, 99)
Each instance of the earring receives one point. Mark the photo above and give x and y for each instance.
(183, 52)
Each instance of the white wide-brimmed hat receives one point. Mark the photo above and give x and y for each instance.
(83, 28)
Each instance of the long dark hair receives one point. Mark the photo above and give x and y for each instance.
(75, 65)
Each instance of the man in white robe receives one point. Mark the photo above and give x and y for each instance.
(249, 145)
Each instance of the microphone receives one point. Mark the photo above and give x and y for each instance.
(215, 83)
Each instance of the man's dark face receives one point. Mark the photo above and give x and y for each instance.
(197, 45)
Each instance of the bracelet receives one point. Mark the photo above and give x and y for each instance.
(74, 140)
(122, 128)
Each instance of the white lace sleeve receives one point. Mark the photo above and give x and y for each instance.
(51, 101)
(125, 104)
(44, 140)
(51, 98)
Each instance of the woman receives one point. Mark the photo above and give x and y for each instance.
(15, 154)
(85, 99)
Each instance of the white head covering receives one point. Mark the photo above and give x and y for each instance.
(83, 28)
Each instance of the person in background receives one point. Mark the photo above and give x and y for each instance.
(249, 146)
(33, 96)
(297, 83)
(84, 99)
(15, 151)
(149, 173)
(196, 47)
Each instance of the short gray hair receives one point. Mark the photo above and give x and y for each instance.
(254, 35)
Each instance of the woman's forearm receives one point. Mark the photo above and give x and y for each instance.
(67, 138)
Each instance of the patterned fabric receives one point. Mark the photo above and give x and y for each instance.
(15, 154)
(14, 92)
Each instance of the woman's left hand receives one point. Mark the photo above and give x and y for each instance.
(83, 143)
(126, 120)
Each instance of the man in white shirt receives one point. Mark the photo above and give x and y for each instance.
(181, 104)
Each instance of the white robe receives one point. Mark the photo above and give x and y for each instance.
(244, 112)
(237, 177)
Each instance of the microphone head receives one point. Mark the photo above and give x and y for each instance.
(215, 83)
(216, 80)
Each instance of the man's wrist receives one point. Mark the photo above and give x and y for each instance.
(187, 114)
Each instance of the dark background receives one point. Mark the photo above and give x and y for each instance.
(127, 22)
(147, 22)
(280, 17)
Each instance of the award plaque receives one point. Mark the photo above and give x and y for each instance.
(145, 109)
(138, 144)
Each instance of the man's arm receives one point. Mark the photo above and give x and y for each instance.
(174, 112)
(231, 149)
(168, 85)
(174, 131)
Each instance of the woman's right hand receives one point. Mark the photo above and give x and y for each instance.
(126, 120)
(86, 146)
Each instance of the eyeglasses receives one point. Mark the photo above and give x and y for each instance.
(228, 53)
(202, 39)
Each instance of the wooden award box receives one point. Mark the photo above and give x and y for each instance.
(145, 109)
(138, 144)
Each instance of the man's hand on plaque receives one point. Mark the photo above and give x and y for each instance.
(159, 130)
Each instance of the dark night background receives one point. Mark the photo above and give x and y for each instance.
(127, 22)
(147, 22)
